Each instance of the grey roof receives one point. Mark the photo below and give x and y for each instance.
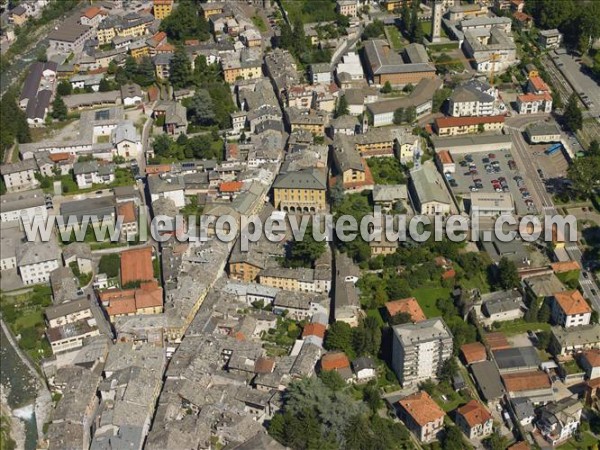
(77, 249)
(549, 33)
(100, 207)
(488, 379)
(425, 331)
(383, 60)
(364, 362)
(32, 81)
(320, 68)
(517, 358)
(343, 122)
(485, 21)
(260, 441)
(346, 155)
(523, 408)
(575, 336)
(175, 112)
(389, 193)
(19, 166)
(497, 302)
(303, 179)
(544, 285)
(69, 31)
(422, 94)
(54, 312)
(22, 200)
(543, 129)
(429, 185)
(416, 53)
(441, 143)
(36, 252)
(468, 93)
(125, 131)
(131, 90)
(158, 184)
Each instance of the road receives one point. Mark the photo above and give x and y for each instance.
(587, 284)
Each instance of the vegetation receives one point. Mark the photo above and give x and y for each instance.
(305, 252)
(373, 30)
(572, 116)
(583, 172)
(362, 340)
(14, 123)
(203, 146)
(6, 442)
(185, 22)
(445, 64)
(110, 265)
(387, 170)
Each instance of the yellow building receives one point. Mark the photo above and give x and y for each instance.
(303, 191)
(234, 68)
(312, 121)
(106, 33)
(349, 165)
(139, 49)
(391, 5)
(454, 126)
(162, 8)
(210, 9)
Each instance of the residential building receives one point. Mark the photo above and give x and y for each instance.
(589, 361)
(321, 73)
(474, 420)
(68, 312)
(421, 415)
(79, 253)
(420, 349)
(541, 133)
(37, 92)
(244, 65)
(350, 68)
(147, 299)
(445, 162)
(364, 368)
(212, 8)
(558, 421)
(348, 8)
(500, 306)
(408, 306)
(175, 115)
(131, 94)
(23, 206)
(492, 49)
(162, 65)
(90, 173)
(454, 126)
(303, 191)
(534, 103)
(312, 121)
(70, 336)
(549, 39)
(36, 260)
(69, 36)
(93, 16)
(337, 362)
(535, 385)
(20, 176)
(487, 379)
(420, 99)
(569, 309)
(162, 8)
(482, 22)
(428, 191)
(18, 15)
(386, 196)
(474, 98)
(383, 64)
(129, 227)
(136, 266)
(515, 359)
(351, 169)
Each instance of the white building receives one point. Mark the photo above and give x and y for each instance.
(475, 98)
(559, 420)
(90, 173)
(321, 73)
(491, 204)
(36, 260)
(542, 133)
(20, 176)
(490, 48)
(351, 65)
(69, 312)
(428, 191)
(171, 187)
(127, 140)
(550, 39)
(131, 94)
(534, 103)
(23, 206)
(569, 309)
(420, 349)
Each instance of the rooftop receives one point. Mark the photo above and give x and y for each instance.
(473, 352)
(422, 408)
(474, 413)
(572, 302)
(516, 358)
(425, 331)
(334, 361)
(136, 265)
(429, 185)
(525, 381)
(406, 305)
(488, 379)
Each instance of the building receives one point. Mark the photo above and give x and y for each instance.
(93, 16)
(350, 168)
(36, 260)
(147, 299)
(303, 191)
(18, 15)
(70, 336)
(535, 385)
(23, 206)
(590, 362)
(337, 362)
(492, 49)
(383, 64)
(558, 421)
(20, 176)
(348, 8)
(311, 121)
(136, 266)
(162, 8)
(408, 306)
(89, 173)
(454, 126)
(131, 94)
(534, 103)
(475, 144)
(421, 415)
(474, 98)
(175, 115)
(541, 133)
(488, 381)
(473, 352)
(350, 68)
(420, 99)
(129, 227)
(549, 39)
(69, 36)
(386, 196)
(569, 309)
(474, 420)
(501, 306)
(243, 65)
(364, 368)
(428, 191)
(68, 313)
(516, 359)
(491, 204)
(321, 73)
(126, 140)
(37, 92)
(436, 21)
(420, 349)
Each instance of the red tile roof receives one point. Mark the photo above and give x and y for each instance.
(127, 210)
(334, 361)
(473, 352)
(149, 295)
(264, 365)
(525, 98)
(422, 408)
(474, 413)
(539, 84)
(497, 341)
(406, 305)
(445, 122)
(314, 329)
(445, 157)
(565, 266)
(572, 302)
(136, 265)
(92, 12)
(519, 446)
(524, 381)
(231, 186)
(592, 357)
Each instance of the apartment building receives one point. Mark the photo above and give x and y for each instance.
(69, 37)
(20, 176)
(569, 309)
(534, 103)
(90, 173)
(348, 8)
(422, 416)
(36, 260)
(303, 191)
(162, 8)
(550, 39)
(428, 191)
(473, 98)
(420, 349)
(68, 313)
(243, 65)
(474, 420)
(23, 206)
(558, 421)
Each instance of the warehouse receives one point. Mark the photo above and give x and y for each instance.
(491, 204)
(472, 144)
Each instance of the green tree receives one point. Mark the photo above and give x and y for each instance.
(449, 370)
(453, 439)
(594, 148)
(508, 275)
(201, 108)
(64, 88)
(185, 22)
(110, 265)
(544, 313)
(59, 109)
(304, 252)
(373, 30)
(339, 337)
(332, 380)
(557, 102)
(180, 69)
(387, 88)
(496, 441)
(399, 116)
(358, 433)
(341, 108)
(410, 114)
(406, 17)
(543, 340)
(583, 172)
(400, 318)
(439, 98)
(573, 116)
(104, 85)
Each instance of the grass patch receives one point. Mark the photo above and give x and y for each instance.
(427, 298)
(103, 139)
(393, 36)
(586, 441)
(426, 26)
(520, 326)
(310, 10)
(377, 315)
(386, 170)
(259, 23)
(447, 398)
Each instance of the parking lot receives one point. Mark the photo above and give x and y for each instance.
(583, 83)
(484, 168)
(552, 166)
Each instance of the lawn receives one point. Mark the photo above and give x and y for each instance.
(588, 441)
(386, 170)
(427, 298)
(377, 315)
(478, 281)
(394, 37)
(259, 23)
(426, 26)
(520, 326)
(310, 10)
(103, 139)
(453, 398)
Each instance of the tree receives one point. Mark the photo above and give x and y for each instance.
(59, 109)
(439, 98)
(495, 441)
(399, 116)
(449, 370)
(583, 172)
(408, 88)
(201, 109)
(332, 380)
(185, 23)
(357, 434)
(410, 115)
(387, 88)
(406, 16)
(372, 397)
(110, 265)
(373, 30)
(64, 88)
(594, 148)
(339, 337)
(508, 275)
(557, 102)
(180, 69)
(342, 109)
(104, 85)
(544, 313)
(543, 340)
(400, 318)
(112, 68)
(572, 116)
(304, 252)
(452, 439)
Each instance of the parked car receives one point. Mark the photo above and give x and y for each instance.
(491, 156)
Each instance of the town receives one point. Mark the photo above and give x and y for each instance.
(130, 110)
